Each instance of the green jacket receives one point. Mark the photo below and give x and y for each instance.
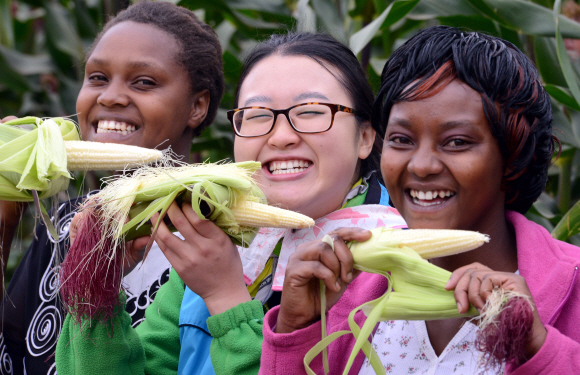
(153, 347)
(117, 348)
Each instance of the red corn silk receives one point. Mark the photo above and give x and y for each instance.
(91, 273)
(504, 341)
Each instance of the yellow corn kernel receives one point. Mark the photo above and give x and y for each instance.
(94, 156)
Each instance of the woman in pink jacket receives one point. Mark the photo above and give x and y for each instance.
(468, 142)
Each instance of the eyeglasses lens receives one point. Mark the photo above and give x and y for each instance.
(310, 118)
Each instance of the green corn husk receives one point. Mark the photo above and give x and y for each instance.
(34, 160)
(92, 271)
(416, 292)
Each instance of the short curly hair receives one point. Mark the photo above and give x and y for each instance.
(516, 106)
(201, 53)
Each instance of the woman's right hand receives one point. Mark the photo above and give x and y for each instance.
(314, 261)
(134, 249)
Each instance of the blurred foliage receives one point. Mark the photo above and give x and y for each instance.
(42, 44)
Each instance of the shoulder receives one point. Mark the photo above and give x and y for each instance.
(533, 240)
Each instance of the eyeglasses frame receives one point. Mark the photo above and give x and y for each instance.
(334, 108)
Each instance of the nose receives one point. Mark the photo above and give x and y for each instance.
(425, 162)
(113, 95)
(283, 136)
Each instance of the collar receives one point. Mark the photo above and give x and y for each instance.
(254, 257)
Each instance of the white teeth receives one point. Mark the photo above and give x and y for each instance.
(287, 166)
(429, 195)
(122, 128)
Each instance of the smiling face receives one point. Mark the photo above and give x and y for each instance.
(135, 91)
(442, 166)
(308, 173)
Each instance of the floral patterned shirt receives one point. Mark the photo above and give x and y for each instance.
(404, 348)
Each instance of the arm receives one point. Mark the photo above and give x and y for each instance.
(558, 355)
(237, 344)
(151, 348)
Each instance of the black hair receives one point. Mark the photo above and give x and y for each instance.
(327, 51)
(516, 106)
(201, 53)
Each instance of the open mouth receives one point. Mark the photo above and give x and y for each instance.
(431, 197)
(116, 127)
(288, 166)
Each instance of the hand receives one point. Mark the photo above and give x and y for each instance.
(314, 261)
(134, 250)
(8, 118)
(474, 284)
(206, 259)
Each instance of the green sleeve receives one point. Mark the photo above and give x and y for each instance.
(236, 347)
(159, 332)
(117, 348)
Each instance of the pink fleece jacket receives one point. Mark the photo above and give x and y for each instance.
(550, 268)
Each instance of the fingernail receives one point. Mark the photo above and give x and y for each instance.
(338, 284)
(447, 285)
(349, 277)
(458, 307)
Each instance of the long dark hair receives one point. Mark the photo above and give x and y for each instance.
(329, 53)
(516, 106)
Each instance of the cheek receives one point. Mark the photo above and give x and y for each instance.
(247, 148)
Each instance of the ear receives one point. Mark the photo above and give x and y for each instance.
(199, 106)
(366, 141)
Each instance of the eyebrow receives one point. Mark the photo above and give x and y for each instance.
(446, 125)
(310, 95)
(131, 64)
(258, 99)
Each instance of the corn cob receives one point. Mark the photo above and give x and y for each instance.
(95, 156)
(428, 243)
(223, 193)
(258, 215)
(416, 287)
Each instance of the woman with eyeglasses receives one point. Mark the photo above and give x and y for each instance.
(303, 108)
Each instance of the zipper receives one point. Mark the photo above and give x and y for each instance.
(561, 305)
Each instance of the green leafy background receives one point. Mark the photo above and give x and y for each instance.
(42, 44)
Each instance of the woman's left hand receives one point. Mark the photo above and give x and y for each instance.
(206, 259)
(475, 282)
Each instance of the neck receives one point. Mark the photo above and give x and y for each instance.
(499, 254)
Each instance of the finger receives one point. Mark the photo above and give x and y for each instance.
(458, 274)
(344, 256)
(461, 292)
(303, 272)
(164, 235)
(488, 284)
(141, 242)
(205, 228)
(181, 223)
(321, 252)
(8, 118)
(474, 290)
(353, 234)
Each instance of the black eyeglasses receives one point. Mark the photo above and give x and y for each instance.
(304, 118)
